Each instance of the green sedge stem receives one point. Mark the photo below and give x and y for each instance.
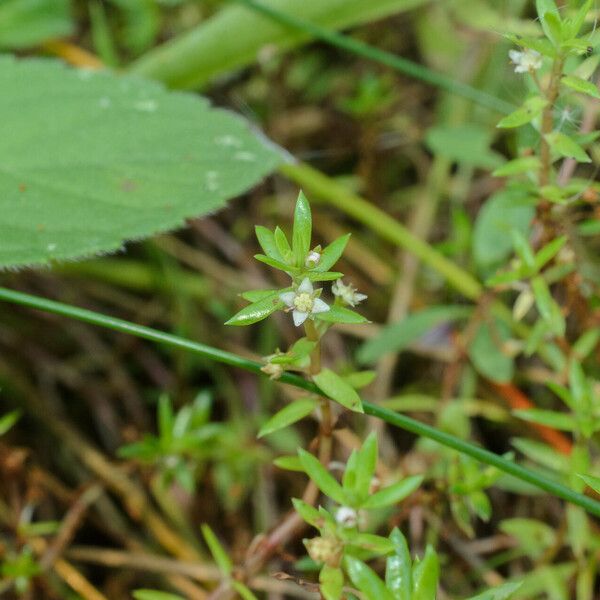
(147, 333)
(397, 63)
(389, 416)
(485, 456)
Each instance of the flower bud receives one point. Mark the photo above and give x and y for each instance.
(313, 258)
(346, 516)
(273, 370)
(324, 550)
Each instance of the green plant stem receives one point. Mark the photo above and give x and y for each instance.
(485, 456)
(544, 206)
(548, 121)
(153, 335)
(393, 418)
(397, 63)
(315, 356)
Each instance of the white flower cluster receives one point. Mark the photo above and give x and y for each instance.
(525, 61)
(305, 302)
(347, 293)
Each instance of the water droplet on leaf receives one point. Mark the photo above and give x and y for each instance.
(146, 105)
(228, 140)
(245, 156)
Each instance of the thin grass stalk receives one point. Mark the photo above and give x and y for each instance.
(396, 419)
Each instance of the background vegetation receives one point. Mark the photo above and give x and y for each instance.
(129, 458)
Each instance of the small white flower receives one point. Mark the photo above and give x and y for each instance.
(313, 258)
(525, 61)
(304, 302)
(347, 293)
(346, 516)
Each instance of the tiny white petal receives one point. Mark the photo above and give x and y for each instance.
(515, 55)
(287, 298)
(346, 516)
(306, 286)
(525, 61)
(358, 297)
(319, 306)
(299, 317)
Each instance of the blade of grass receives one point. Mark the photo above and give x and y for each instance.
(402, 65)
(233, 38)
(485, 456)
(395, 419)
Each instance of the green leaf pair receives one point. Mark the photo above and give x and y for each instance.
(339, 389)
(184, 439)
(404, 579)
(355, 491)
(530, 264)
(562, 33)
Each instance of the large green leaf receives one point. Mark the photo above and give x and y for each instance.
(89, 160)
(25, 23)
